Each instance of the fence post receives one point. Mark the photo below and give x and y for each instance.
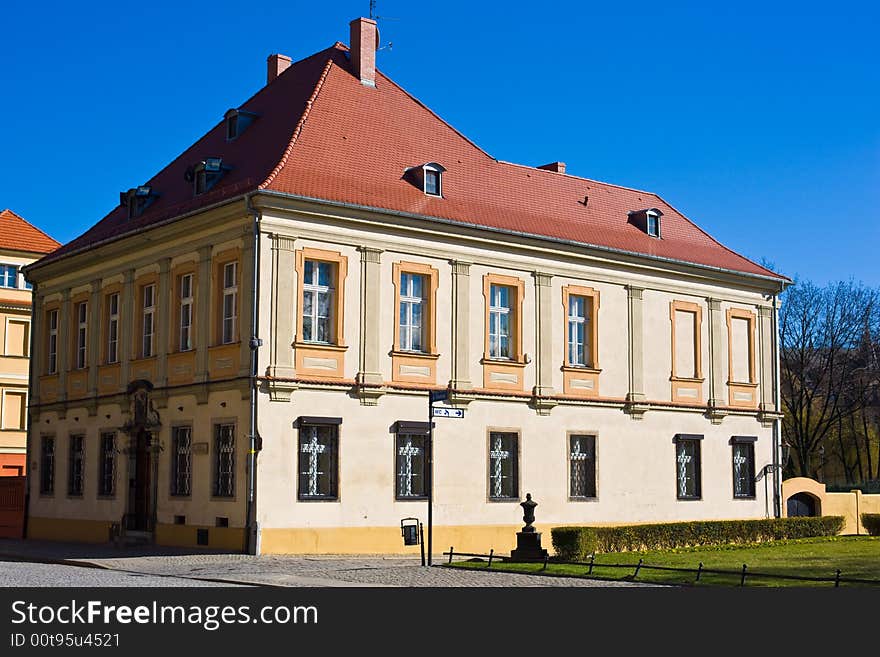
(837, 579)
(742, 581)
(450, 554)
(592, 559)
(699, 571)
(491, 554)
(638, 568)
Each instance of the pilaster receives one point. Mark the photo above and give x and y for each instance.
(281, 316)
(126, 320)
(246, 294)
(369, 378)
(461, 359)
(163, 326)
(717, 332)
(94, 344)
(203, 313)
(635, 397)
(63, 347)
(544, 344)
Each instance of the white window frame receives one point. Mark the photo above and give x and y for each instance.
(52, 346)
(112, 328)
(573, 321)
(439, 173)
(649, 216)
(186, 307)
(20, 320)
(314, 287)
(4, 275)
(408, 301)
(496, 311)
(82, 334)
(230, 320)
(148, 333)
(14, 391)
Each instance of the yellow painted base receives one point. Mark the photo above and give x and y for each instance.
(219, 538)
(66, 529)
(388, 540)
(98, 531)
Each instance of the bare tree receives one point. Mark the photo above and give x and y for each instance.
(829, 372)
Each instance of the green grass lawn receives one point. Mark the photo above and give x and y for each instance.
(856, 556)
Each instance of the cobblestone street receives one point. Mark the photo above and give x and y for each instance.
(170, 567)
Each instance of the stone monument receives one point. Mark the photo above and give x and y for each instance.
(528, 541)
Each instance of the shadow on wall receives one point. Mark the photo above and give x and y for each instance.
(803, 496)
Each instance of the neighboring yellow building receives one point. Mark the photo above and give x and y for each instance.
(20, 244)
(239, 354)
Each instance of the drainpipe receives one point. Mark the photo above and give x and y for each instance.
(777, 423)
(29, 436)
(251, 525)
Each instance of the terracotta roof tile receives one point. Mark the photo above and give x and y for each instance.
(17, 234)
(322, 134)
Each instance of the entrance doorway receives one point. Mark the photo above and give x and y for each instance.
(139, 516)
(801, 504)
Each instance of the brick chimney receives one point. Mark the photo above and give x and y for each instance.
(275, 66)
(558, 167)
(364, 42)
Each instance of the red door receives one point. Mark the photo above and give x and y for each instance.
(12, 507)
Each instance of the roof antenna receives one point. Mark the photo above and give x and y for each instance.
(374, 16)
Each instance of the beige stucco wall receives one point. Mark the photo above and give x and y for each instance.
(636, 459)
(850, 505)
(200, 509)
(14, 306)
(636, 464)
(635, 449)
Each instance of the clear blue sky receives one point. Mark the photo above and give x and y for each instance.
(759, 124)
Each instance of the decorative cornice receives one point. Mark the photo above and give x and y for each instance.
(542, 279)
(370, 255)
(634, 292)
(282, 242)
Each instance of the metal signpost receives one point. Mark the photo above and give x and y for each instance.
(435, 396)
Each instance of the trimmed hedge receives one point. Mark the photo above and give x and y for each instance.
(871, 521)
(577, 543)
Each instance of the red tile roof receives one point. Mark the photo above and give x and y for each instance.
(16, 234)
(322, 134)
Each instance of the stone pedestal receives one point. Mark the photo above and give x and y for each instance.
(528, 547)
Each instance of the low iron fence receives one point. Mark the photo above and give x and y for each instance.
(701, 570)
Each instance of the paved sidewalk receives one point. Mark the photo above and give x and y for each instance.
(275, 570)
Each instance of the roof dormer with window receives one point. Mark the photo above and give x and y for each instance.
(237, 121)
(137, 199)
(428, 177)
(205, 174)
(648, 221)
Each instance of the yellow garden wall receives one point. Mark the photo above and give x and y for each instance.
(849, 505)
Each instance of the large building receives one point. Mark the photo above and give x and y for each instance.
(20, 244)
(239, 354)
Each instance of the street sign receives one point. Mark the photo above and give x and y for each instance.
(448, 412)
(439, 395)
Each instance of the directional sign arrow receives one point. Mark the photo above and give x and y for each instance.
(448, 412)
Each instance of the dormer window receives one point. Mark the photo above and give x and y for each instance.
(137, 199)
(432, 182)
(237, 121)
(648, 221)
(206, 174)
(427, 177)
(653, 223)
